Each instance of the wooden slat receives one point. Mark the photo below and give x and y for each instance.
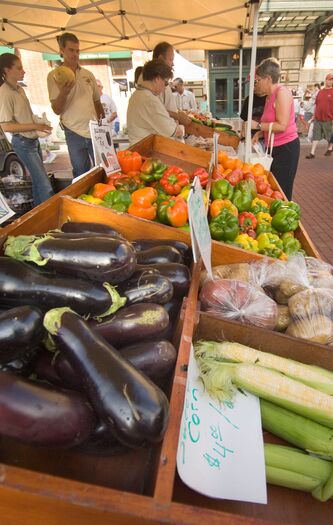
(204, 131)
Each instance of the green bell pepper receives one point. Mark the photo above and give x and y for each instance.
(222, 189)
(263, 228)
(291, 245)
(285, 220)
(242, 197)
(270, 244)
(117, 200)
(224, 227)
(278, 204)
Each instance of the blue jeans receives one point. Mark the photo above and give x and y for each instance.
(80, 151)
(30, 153)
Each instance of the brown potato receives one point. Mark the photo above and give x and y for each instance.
(283, 318)
(311, 302)
(318, 329)
(237, 271)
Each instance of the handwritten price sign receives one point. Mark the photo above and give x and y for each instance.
(220, 448)
(103, 147)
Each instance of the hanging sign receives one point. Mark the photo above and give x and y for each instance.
(104, 152)
(199, 228)
(220, 449)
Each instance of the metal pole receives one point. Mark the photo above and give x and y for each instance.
(255, 7)
(240, 90)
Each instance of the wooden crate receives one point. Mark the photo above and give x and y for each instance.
(200, 130)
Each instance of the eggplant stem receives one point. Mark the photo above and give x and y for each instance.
(116, 301)
(52, 319)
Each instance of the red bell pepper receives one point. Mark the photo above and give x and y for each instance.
(247, 221)
(173, 180)
(235, 177)
(202, 174)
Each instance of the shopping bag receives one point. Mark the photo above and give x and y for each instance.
(262, 156)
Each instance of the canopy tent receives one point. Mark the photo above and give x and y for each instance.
(183, 68)
(109, 25)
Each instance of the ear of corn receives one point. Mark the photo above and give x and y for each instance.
(221, 379)
(314, 376)
(296, 429)
(291, 468)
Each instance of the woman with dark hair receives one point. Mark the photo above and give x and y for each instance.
(16, 117)
(137, 75)
(278, 111)
(146, 114)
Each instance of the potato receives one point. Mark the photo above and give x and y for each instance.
(283, 318)
(318, 329)
(289, 287)
(279, 296)
(311, 302)
(237, 271)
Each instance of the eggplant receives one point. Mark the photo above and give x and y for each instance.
(133, 408)
(65, 371)
(39, 415)
(173, 308)
(178, 274)
(20, 285)
(21, 329)
(147, 288)
(159, 254)
(101, 442)
(146, 244)
(22, 365)
(137, 322)
(156, 359)
(103, 259)
(89, 227)
(45, 370)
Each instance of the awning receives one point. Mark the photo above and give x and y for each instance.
(104, 25)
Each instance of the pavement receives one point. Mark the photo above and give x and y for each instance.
(313, 190)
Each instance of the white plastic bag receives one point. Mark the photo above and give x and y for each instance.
(262, 156)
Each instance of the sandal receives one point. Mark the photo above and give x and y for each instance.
(328, 153)
(310, 156)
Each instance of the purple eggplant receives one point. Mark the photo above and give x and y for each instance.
(156, 359)
(146, 244)
(147, 288)
(21, 329)
(39, 415)
(45, 370)
(65, 371)
(178, 274)
(159, 254)
(137, 322)
(20, 285)
(102, 259)
(133, 408)
(22, 365)
(89, 227)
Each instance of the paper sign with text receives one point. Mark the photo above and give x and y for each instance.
(103, 147)
(220, 449)
(5, 211)
(199, 228)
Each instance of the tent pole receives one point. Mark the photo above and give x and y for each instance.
(240, 88)
(255, 7)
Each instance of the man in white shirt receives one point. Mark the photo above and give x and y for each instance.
(109, 106)
(185, 99)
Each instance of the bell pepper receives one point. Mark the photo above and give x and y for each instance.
(219, 204)
(242, 198)
(173, 212)
(270, 244)
(202, 174)
(184, 194)
(246, 242)
(263, 218)
(264, 227)
(258, 205)
(145, 212)
(126, 184)
(248, 185)
(224, 227)
(218, 172)
(291, 245)
(234, 177)
(222, 189)
(173, 180)
(285, 220)
(100, 189)
(152, 169)
(277, 204)
(129, 160)
(144, 197)
(118, 200)
(287, 235)
(277, 195)
(247, 221)
(90, 198)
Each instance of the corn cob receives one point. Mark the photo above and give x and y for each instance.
(296, 429)
(222, 380)
(314, 376)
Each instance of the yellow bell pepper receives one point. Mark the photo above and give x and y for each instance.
(246, 242)
(263, 218)
(90, 198)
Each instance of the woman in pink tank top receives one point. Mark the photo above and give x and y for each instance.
(279, 110)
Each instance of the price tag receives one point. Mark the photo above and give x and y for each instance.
(220, 449)
(104, 152)
(200, 234)
(5, 211)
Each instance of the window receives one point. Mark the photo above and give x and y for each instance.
(230, 59)
(120, 66)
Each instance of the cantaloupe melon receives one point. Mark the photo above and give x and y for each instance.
(63, 74)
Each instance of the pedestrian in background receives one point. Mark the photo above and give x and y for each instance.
(77, 103)
(16, 117)
(185, 99)
(109, 107)
(323, 117)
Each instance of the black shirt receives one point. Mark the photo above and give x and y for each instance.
(258, 108)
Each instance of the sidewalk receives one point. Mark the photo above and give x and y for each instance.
(313, 190)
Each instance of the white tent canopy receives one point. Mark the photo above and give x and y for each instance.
(183, 68)
(111, 25)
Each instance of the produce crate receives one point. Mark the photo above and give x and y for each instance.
(200, 130)
(140, 487)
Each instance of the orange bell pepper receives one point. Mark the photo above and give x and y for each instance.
(100, 190)
(218, 204)
(147, 212)
(173, 212)
(144, 197)
(129, 160)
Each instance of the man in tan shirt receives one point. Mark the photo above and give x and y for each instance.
(77, 103)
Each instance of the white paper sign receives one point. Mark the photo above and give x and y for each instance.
(5, 211)
(220, 449)
(104, 152)
(199, 228)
